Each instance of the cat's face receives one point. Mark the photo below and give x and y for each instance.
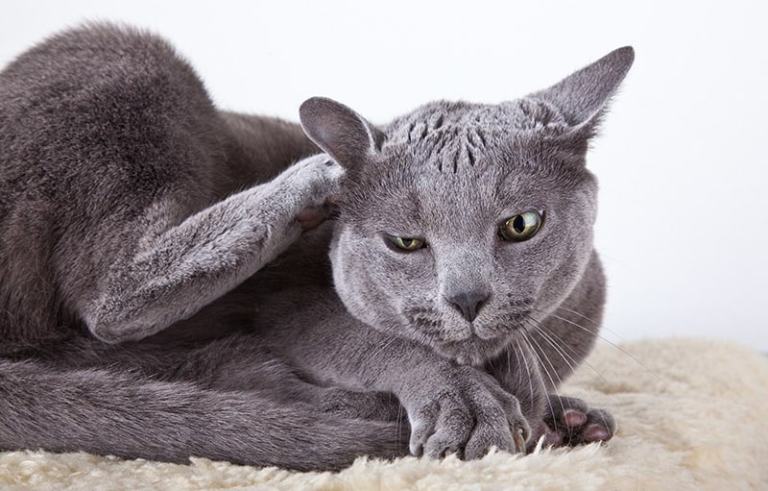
(462, 223)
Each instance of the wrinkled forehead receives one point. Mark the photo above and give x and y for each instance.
(450, 129)
(458, 164)
(407, 190)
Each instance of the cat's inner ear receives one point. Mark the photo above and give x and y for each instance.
(582, 96)
(339, 131)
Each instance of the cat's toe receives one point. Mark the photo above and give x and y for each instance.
(311, 217)
(599, 427)
(572, 422)
(566, 413)
(573, 418)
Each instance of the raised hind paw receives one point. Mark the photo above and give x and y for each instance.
(570, 422)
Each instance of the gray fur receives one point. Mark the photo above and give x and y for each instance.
(156, 303)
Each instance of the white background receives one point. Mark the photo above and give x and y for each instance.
(682, 159)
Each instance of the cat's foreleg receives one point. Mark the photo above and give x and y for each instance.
(173, 274)
(242, 362)
(451, 408)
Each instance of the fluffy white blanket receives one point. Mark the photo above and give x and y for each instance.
(692, 414)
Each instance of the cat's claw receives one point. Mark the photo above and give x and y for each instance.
(519, 437)
(570, 422)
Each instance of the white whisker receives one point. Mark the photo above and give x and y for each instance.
(564, 346)
(595, 333)
(528, 371)
(551, 380)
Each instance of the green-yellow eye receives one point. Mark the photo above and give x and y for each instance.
(406, 244)
(521, 227)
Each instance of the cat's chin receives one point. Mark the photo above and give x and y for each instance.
(473, 351)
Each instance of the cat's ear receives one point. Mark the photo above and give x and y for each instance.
(339, 131)
(583, 96)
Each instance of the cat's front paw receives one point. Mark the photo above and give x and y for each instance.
(570, 421)
(468, 417)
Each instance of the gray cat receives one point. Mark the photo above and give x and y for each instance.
(155, 301)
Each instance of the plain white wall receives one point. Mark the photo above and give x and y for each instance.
(682, 227)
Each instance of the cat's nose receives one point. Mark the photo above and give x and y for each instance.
(469, 303)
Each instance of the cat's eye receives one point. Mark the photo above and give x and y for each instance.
(405, 244)
(521, 227)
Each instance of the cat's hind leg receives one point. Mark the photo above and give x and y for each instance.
(569, 421)
(176, 271)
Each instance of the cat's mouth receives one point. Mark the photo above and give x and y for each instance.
(467, 343)
(487, 340)
(474, 350)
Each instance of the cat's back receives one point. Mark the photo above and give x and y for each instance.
(102, 110)
(101, 98)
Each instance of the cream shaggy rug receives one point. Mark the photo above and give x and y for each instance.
(692, 414)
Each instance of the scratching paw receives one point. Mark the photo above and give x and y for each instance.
(313, 180)
(307, 189)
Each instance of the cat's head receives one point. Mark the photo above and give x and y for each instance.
(460, 221)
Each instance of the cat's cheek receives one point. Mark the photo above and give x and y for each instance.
(373, 282)
(561, 281)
